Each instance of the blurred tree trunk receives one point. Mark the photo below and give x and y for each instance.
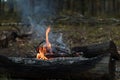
(0, 7)
(11, 6)
(82, 7)
(60, 4)
(77, 4)
(98, 3)
(68, 5)
(103, 7)
(64, 5)
(56, 3)
(89, 7)
(93, 7)
(32, 3)
(118, 7)
(116, 3)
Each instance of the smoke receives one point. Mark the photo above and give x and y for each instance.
(38, 13)
(36, 9)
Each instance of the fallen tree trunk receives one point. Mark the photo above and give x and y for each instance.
(62, 68)
(93, 50)
(97, 49)
(100, 65)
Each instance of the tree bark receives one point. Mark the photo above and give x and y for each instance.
(0, 7)
(97, 49)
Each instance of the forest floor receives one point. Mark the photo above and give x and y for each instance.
(78, 35)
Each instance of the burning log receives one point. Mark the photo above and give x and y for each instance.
(89, 50)
(56, 48)
(59, 68)
(101, 65)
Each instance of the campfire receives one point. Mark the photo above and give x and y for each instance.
(56, 48)
(42, 50)
(54, 60)
(94, 59)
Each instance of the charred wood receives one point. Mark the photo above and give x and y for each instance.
(58, 68)
(57, 48)
(55, 67)
(98, 63)
(20, 36)
(3, 41)
(5, 38)
(89, 51)
(108, 47)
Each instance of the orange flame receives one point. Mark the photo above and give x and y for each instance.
(41, 53)
(47, 47)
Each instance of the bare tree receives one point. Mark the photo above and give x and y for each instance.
(0, 7)
(11, 5)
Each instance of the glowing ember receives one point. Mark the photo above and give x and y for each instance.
(41, 53)
(47, 47)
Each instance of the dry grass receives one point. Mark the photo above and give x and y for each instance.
(83, 34)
